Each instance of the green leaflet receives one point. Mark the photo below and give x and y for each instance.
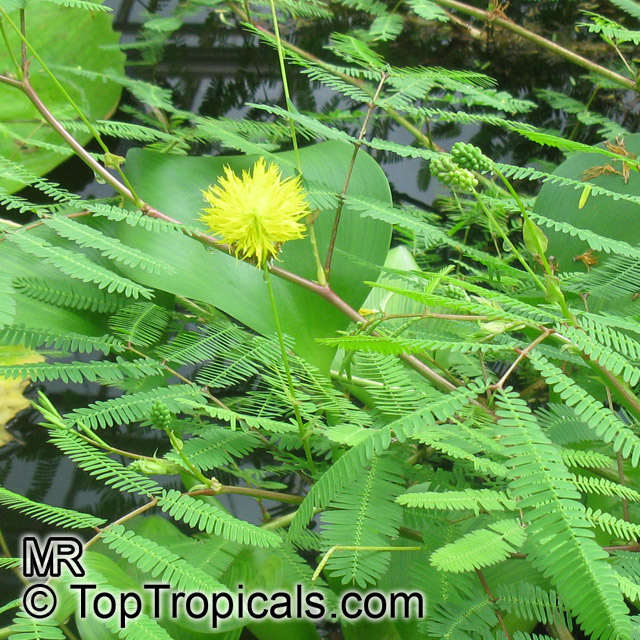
(475, 499)
(209, 517)
(56, 516)
(481, 548)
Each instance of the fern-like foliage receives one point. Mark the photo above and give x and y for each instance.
(141, 324)
(57, 516)
(159, 562)
(93, 371)
(211, 518)
(461, 617)
(560, 542)
(216, 447)
(622, 529)
(604, 422)
(608, 128)
(372, 442)
(364, 515)
(194, 347)
(112, 248)
(61, 341)
(69, 294)
(100, 465)
(25, 626)
(481, 548)
(81, 4)
(602, 486)
(530, 602)
(77, 265)
(474, 499)
(133, 407)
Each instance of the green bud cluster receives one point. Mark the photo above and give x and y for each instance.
(451, 174)
(160, 415)
(470, 157)
(457, 293)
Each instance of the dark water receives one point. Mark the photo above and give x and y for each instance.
(213, 69)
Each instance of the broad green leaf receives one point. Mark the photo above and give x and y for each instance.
(173, 185)
(609, 217)
(60, 36)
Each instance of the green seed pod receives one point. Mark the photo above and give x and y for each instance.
(449, 173)
(470, 157)
(441, 166)
(457, 293)
(160, 415)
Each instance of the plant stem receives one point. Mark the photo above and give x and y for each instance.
(21, 32)
(285, 361)
(491, 17)
(507, 241)
(522, 355)
(80, 151)
(3, 31)
(342, 197)
(540, 249)
(24, 67)
(492, 598)
(262, 494)
(339, 547)
(285, 83)
(128, 516)
(294, 139)
(178, 445)
(280, 522)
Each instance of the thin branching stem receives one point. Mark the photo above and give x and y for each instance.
(125, 518)
(493, 599)
(294, 140)
(24, 62)
(553, 47)
(25, 84)
(178, 447)
(261, 494)
(622, 479)
(343, 195)
(5, 39)
(339, 547)
(287, 369)
(521, 356)
(495, 224)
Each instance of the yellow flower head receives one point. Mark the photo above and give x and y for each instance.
(256, 213)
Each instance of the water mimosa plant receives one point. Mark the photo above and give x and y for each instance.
(449, 418)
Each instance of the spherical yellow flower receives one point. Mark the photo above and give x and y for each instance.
(256, 213)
